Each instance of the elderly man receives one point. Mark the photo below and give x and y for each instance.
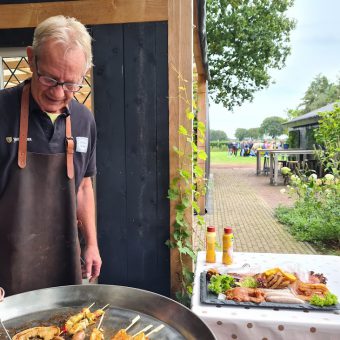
(47, 159)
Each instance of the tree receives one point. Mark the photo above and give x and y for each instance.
(328, 133)
(291, 114)
(319, 93)
(272, 126)
(254, 133)
(245, 40)
(217, 135)
(240, 133)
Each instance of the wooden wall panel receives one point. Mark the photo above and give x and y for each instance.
(133, 212)
(108, 81)
(180, 47)
(20, 37)
(147, 268)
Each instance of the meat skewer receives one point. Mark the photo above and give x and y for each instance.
(97, 332)
(122, 334)
(80, 326)
(88, 319)
(92, 317)
(73, 320)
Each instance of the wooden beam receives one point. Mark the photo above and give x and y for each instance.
(201, 97)
(89, 12)
(197, 45)
(180, 54)
(202, 117)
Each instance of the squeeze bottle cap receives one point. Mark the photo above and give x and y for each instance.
(211, 229)
(228, 230)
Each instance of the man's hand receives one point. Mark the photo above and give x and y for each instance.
(93, 263)
(86, 223)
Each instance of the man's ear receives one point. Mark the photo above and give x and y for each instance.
(30, 56)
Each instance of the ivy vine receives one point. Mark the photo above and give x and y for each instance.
(185, 190)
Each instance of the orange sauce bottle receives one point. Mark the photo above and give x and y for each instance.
(228, 244)
(210, 245)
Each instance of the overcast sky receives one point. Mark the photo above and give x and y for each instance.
(315, 46)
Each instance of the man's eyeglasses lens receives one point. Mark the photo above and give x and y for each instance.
(70, 87)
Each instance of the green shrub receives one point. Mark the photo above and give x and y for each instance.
(315, 217)
(219, 145)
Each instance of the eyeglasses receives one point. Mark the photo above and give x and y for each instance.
(50, 82)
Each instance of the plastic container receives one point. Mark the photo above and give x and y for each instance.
(210, 245)
(228, 246)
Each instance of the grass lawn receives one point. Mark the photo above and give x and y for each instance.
(222, 157)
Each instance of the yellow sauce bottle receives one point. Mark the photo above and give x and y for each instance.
(228, 244)
(210, 245)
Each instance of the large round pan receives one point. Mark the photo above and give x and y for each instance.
(53, 305)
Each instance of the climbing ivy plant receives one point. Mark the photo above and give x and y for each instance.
(185, 190)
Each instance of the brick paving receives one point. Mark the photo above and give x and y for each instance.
(239, 198)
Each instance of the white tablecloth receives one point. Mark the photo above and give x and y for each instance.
(256, 323)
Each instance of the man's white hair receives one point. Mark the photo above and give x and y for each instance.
(64, 30)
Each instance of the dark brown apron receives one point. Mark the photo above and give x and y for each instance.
(39, 245)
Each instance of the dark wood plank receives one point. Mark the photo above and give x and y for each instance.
(145, 261)
(108, 81)
(162, 116)
(16, 37)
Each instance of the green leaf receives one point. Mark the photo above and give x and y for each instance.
(200, 219)
(189, 114)
(200, 126)
(173, 194)
(202, 155)
(170, 244)
(196, 207)
(186, 202)
(185, 175)
(182, 130)
(198, 171)
(179, 152)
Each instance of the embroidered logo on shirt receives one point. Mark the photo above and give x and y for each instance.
(82, 144)
(15, 139)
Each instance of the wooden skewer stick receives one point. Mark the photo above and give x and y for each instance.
(100, 321)
(3, 326)
(105, 306)
(132, 323)
(91, 305)
(143, 330)
(157, 329)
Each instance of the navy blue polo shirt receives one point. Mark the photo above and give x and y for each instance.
(44, 136)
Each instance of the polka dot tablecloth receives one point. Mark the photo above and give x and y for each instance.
(244, 323)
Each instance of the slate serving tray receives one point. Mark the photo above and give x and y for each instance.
(209, 298)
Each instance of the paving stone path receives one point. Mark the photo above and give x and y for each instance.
(240, 199)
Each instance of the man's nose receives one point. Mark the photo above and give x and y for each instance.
(58, 91)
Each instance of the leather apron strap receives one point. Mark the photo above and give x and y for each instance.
(69, 149)
(22, 152)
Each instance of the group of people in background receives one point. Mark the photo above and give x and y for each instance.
(244, 149)
(248, 148)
